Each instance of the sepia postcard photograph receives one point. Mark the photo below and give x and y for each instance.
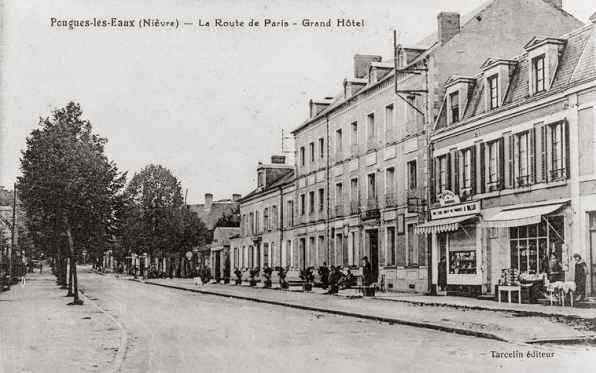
(297, 186)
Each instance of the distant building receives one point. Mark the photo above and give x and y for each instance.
(210, 211)
(267, 220)
(220, 249)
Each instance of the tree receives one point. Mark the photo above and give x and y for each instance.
(154, 219)
(229, 219)
(157, 220)
(69, 188)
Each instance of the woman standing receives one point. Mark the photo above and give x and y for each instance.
(581, 271)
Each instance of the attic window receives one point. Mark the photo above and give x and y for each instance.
(493, 85)
(539, 74)
(454, 107)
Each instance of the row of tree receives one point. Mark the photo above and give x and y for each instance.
(75, 199)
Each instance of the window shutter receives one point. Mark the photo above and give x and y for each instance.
(433, 168)
(460, 176)
(566, 149)
(456, 169)
(531, 157)
(473, 170)
(448, 171)
(541, 175)
(515, 160)
(501, 163)
(482, 168)
(509, 161)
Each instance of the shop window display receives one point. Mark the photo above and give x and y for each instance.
(533, 245)
(462, 251)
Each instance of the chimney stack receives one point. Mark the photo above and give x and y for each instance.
(236, 197)
(361, 62)
(558, 4)
(208, 201)
(448, 26)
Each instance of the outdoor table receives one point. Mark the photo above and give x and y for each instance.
(509, 289)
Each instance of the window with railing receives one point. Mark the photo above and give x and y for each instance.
(558, 156)
(371, 132)
(523, 177)
(390, 187)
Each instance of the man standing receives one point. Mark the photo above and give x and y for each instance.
(366, 272)
(40, 267)
(581, 272)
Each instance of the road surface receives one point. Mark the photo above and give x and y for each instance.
(180, 331)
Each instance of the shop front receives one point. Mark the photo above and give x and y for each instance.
(528, 247)
(456, 249)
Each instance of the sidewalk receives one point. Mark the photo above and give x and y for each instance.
(39, 332)
(485, 319)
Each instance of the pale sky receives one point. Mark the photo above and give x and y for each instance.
(208, 103)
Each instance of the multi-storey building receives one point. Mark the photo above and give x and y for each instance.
(267, 219)
(514, 166)
(361, 183)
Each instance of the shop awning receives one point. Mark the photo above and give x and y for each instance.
(442, 225)
(217, 248)
(520, 216)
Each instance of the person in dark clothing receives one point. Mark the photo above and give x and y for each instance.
(324, 272)
(581, 271)
(366, 272)
(443, 273)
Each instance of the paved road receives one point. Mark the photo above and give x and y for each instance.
(178, 331)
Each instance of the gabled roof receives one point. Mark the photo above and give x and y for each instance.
(576, 64)
(540, 40)
(287, 178)
(211, 216)
(491, 61)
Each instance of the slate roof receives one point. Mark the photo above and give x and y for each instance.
(223, 235)
(431, 41)
(211, 216)
(576, 64)
(285, 179)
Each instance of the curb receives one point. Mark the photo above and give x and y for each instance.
(119, 359)
(519, 312)
(415, 324)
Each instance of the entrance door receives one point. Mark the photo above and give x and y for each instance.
(374, 253)
(303, 253)
(442, 267)
(592, 260)
(217, 265)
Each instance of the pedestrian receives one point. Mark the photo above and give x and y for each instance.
(324, 272)
(443, 273)
(581, 271)
(40, 267)
(366, 272)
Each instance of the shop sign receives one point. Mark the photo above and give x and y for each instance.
(456, 210)
(449, 198)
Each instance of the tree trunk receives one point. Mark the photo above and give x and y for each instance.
(73, 266)
(69, 271)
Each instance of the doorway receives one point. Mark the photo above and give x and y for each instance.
(303, 253)
(373, 241)
(442, 266)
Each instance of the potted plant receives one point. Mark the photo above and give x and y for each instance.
(206, 275)
(282, 273)
(226, 270)
(252, 273)
(238, 274)
(308, 276)
(267, 271)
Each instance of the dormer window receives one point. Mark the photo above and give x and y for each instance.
(261, 179)
(454, 107)
(539, 74)
(493, 86)
(543, 60)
